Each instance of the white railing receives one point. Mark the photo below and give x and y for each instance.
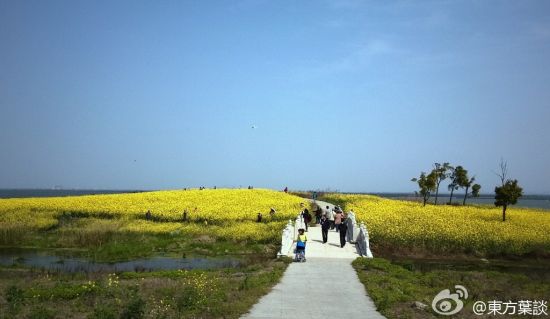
(356, 234)
(353, 232)
(363, 242)
(289, 234)
(287, 239)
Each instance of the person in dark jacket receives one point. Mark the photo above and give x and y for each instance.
(325, 226)
(318, 214)
(343, 230)
(307, 217)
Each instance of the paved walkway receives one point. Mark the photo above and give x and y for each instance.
(326, 286)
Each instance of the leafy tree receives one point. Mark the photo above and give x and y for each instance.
(426, 185)
(441, 172)
(475, 190)
(458, 177)
(467, 185)
(507, 194)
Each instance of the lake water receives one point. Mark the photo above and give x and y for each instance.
(21, 193)
(49, 261)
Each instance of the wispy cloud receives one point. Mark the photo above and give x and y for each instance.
(358, 58)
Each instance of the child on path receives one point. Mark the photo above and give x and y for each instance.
(301, 245)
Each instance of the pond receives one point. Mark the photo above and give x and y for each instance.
(49, 261)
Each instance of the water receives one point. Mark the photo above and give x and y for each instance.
(45, 260)
(530, 201)
(21, 193)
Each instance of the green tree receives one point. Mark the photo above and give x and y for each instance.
(468, 183)
(458, 177)
(507, 194)
(426, 185)
(475, 190)
(441, 172)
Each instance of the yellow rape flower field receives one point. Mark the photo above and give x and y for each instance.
(237, 254)
(396, 225)
(84, 221)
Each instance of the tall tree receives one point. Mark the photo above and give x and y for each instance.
(467, 185)
(441, 172)
(475, 190)
(503, 174)
(426, 184)
(458, 177)
(507, 194)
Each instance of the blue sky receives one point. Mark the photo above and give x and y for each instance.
(347, 95)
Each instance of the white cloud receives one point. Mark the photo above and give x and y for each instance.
(358, 58)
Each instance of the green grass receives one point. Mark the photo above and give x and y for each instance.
(105, 245)
(226, 293)
(395, 287)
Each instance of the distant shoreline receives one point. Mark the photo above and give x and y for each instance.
(42, 192)
(28, 193)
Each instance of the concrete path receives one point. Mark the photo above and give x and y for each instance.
(325, 286)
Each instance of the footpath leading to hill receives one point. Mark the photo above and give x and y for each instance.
(326, 286)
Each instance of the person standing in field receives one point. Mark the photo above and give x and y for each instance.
(343, 231)
(325, 225)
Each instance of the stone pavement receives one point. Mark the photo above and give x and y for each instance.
(325, 286)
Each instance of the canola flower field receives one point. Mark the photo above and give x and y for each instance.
(223, 213)
(111, 228)
(442, 228)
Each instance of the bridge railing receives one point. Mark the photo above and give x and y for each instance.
(289, 234)
(359, 235)
(362, 242)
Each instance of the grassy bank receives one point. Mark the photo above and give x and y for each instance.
(395, 287)
(226, 293)
(406, 228)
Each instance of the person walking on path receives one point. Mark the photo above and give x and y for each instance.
(330, 216)
(325, 225)
(343, 232)
(338, 220)
(306, 217)
(318, 214)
